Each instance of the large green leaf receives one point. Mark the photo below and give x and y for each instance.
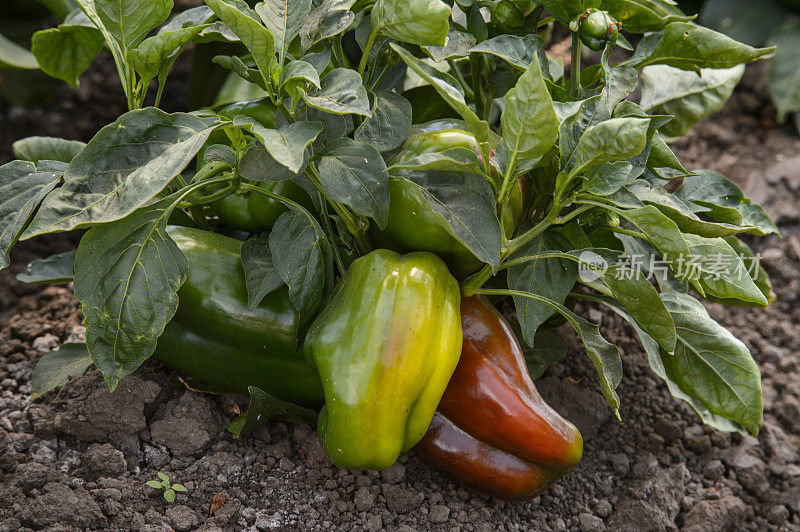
(529, 123)
(518, 51)
(612, 140)
(640, 16)
(37, 149)
(283, 18)
(15, 57)
(56, 268)
(129, 21)
(420, 22)
(67, 51)
(713, 365)
(354, 173)
(303, 258)
(150, 56)
(691, 47)
(389, 124)
(784, 70)
(342, 93)
(55, 367)
(123, 167)
(287, 144)
(127, 276)
(328, 18)
(552, 278)
(686, 95)
(23, 185)
(260, 276)
(246, 24)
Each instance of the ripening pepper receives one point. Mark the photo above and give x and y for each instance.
(492, 429)
(216, 338)
(413, 225)
(385, 347)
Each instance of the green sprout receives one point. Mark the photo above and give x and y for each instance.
(164, 484)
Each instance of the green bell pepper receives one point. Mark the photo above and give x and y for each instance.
(254, 212)
(385, 348)
(597, 28)
(216, 338)
(413, 225)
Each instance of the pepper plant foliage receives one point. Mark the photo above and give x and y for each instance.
(349, 79)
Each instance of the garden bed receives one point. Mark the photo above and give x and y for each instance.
(80, 457)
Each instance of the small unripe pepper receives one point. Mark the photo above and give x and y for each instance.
(596, 29)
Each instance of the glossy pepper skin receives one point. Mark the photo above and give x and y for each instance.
(384, 347)
(256, 213)
(414, 225)
(215, 338)
(492, 429)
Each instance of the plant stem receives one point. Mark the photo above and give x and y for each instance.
(516, 243)
(477, 86)
(326, 224)
(362, 65)
(575, 66)
(634, 234)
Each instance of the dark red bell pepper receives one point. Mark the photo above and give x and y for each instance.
(492, 429)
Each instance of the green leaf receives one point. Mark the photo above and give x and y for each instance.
(23, 186)
(296, 76)
(607, 178)
(260, 276)
(686, 95)
(149, 58)
(129, 21)
(55, 367)
(342, 93)
(563, 10)
(725, 202)
(126, 164)
(783, 81)
(246, 24)
(661, 156)
(15, 57)
(691, 47)
(458, 44)
(37, 149)
(548, 348)
(713, 365)
(154, 484)
(288, 144)
(330, 18)
(757, 272)
(604, 356)
(354, 173)
(303, 258)
(162, 476)
(169, 495)
(529, 123)
(449, 89)
(612, 140)
(67, 51)
(53, 269)
(237, 66)
(389, 124)
(127, 276)
(283, 18)
(641, 16)
(179, 487)
(263, 408)
(463, 204)
(420, 22)
(721, 272)
(517, 51)
(552, 278)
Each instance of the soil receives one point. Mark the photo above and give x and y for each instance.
(79, 457)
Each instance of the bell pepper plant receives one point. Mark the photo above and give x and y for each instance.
(405, 159)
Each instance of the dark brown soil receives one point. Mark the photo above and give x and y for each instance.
(79, 458)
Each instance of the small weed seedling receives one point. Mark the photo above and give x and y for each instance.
(163, 484)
